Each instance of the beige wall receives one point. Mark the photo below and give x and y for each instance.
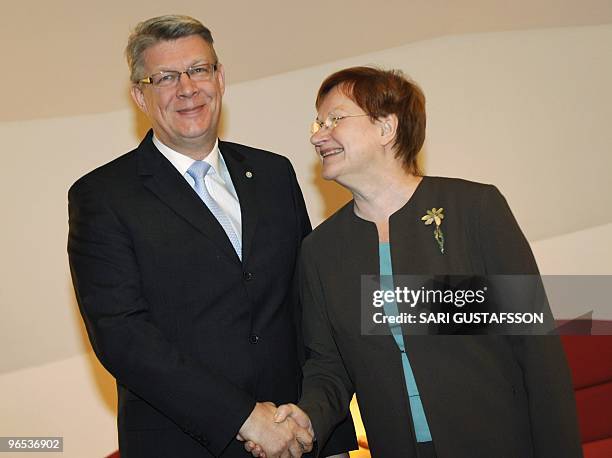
(528, 111)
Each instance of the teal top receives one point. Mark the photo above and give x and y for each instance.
(419, 419)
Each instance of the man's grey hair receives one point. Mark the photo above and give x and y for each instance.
(161, 28)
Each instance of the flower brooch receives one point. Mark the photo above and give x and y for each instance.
(435, 215)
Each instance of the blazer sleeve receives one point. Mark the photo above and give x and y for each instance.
(343, 437)
(552, 408)
(327, 387)
(107, 281)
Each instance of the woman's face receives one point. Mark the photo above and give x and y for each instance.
(352, 146)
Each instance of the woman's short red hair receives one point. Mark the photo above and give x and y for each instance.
(381, 93)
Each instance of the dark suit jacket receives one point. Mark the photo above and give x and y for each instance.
(483, 395)
(193, 336)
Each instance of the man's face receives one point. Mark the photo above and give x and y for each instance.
(184, 117)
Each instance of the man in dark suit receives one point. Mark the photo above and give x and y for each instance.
(182, 254)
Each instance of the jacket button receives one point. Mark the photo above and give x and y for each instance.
(201, 439)
(248, 276)
(253, 338)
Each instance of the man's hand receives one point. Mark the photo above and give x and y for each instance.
(298, 415)
(303, 431)
(268, 436)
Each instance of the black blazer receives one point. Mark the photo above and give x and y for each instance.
(484, 396)
(193, 336)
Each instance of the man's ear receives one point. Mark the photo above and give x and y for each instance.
(388, 128)
(138, 97)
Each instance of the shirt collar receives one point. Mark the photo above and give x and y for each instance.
(182, 162)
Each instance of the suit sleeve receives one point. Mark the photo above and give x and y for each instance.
(301, 214)
(107, 282)
(304, 228)
(327, 387)
(546, 375)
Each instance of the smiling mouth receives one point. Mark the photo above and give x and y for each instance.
(191, 110)
(332, 152)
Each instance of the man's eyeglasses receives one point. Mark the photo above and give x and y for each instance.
(170, 78)
(330, 122)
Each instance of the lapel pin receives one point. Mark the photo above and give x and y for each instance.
(249, 174)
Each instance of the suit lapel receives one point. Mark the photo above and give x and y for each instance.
(244, 179)
(161, 178)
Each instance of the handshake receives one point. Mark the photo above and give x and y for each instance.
(272, 432)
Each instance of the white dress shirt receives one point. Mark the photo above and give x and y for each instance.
(217, 180)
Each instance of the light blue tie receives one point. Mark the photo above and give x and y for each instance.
(198, 171)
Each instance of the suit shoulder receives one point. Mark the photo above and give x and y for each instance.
(256, 154)
(124, 165)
